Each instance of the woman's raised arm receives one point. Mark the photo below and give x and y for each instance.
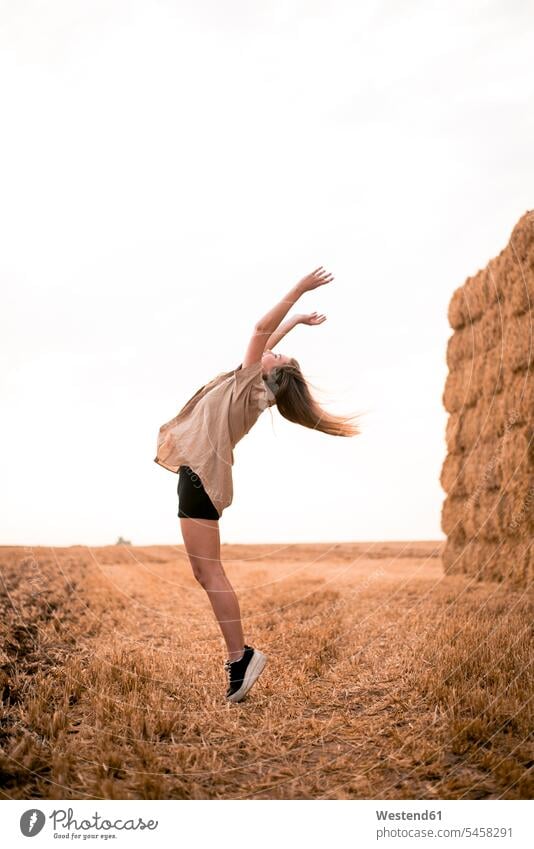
(291, 322)
(265, 327)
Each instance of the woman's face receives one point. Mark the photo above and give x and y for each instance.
(270, 359)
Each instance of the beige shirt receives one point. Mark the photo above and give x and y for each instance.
(207, 428)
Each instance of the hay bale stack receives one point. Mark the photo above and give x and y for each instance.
(488, 473)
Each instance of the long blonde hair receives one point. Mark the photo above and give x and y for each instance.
(296, 403)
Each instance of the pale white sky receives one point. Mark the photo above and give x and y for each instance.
(169, 170)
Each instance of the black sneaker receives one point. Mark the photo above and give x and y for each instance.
(243, 673)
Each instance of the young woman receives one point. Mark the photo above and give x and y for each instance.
(198, 445)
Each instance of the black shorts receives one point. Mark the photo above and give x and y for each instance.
(193, 500)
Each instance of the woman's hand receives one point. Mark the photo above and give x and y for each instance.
(313, 318)
(265, 330)
(317, 278)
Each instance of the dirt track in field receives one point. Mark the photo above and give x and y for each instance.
(386, 679)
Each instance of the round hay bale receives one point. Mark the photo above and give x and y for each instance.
(468, 427)
(490, 290)
(518, 343)
(507, 267)
(456, 557)
(495, 425)
(522, 238)
(456, 345)
(468, 302)
(519, 397)
(528, 564)
(452, 513)
(519, 515)
(490, 329)
(492, 469)
(472, 521)
(455, 311)
(452, 399)
(491, 560)
(523, 558)
(519, 286)
(492, 373)
(463, 386)
(452, 433)
(488, 473)
(485, 517)
(496, 273)
(474, 301)
(482, 423)
(479, 472)
(476, 338)
(517, 455)
(487, 560)
(513, 563)
(451, 475)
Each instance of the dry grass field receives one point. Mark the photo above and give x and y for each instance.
(386, 679)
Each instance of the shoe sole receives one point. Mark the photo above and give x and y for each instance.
(254, 670)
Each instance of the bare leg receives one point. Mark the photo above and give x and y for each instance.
(203, 546)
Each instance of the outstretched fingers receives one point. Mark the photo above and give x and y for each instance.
(316, 278)
(313, 318)
(324, 276)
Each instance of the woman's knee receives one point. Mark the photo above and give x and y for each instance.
(207, 573)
